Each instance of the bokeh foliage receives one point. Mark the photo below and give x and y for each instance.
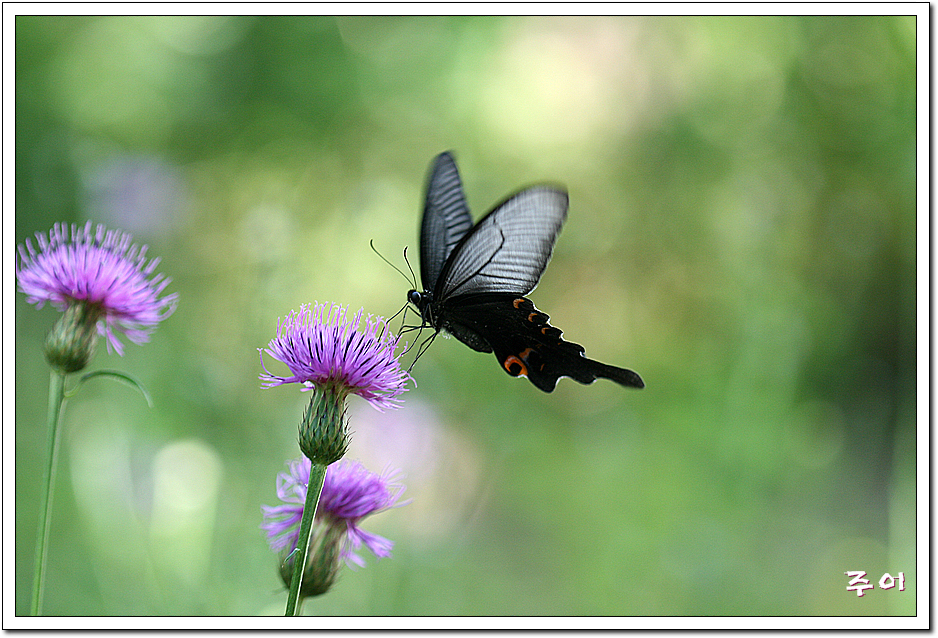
(741, 232)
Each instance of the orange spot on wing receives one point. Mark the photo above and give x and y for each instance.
(514, 366)
(517, 302)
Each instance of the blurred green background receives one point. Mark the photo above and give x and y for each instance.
(741, 233)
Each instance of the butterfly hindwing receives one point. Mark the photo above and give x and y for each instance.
(524, 342)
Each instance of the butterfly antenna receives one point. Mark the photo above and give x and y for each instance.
(372, 244)
(412, 275)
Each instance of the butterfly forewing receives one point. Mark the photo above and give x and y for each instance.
(446, 218)
(508, 250)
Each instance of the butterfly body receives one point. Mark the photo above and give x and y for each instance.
(476, 277)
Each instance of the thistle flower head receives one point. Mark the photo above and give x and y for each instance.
(101, 272)
(325, 349)
(349, 494)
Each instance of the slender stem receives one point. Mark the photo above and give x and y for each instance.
(56, 401)
(317, 476)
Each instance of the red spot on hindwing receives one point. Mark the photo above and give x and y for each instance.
(514, 366)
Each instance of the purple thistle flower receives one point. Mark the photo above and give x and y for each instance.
(323, 348)
(100, 270)
(349, 493)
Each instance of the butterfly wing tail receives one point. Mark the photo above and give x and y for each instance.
(581, 370)
(622, 376)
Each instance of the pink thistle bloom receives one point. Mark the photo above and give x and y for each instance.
(349, 493)
(323, 348)
(102, 270)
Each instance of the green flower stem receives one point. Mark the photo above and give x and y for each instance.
(56, 402)
(317, 476)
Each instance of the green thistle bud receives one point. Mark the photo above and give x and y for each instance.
(322, 567)
(324, 436)
(72, 340)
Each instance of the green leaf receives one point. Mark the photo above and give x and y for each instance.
(123, 377)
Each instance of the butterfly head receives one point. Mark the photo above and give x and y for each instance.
(423, 301)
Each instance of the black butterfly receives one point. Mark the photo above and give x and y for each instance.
(475, 279)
